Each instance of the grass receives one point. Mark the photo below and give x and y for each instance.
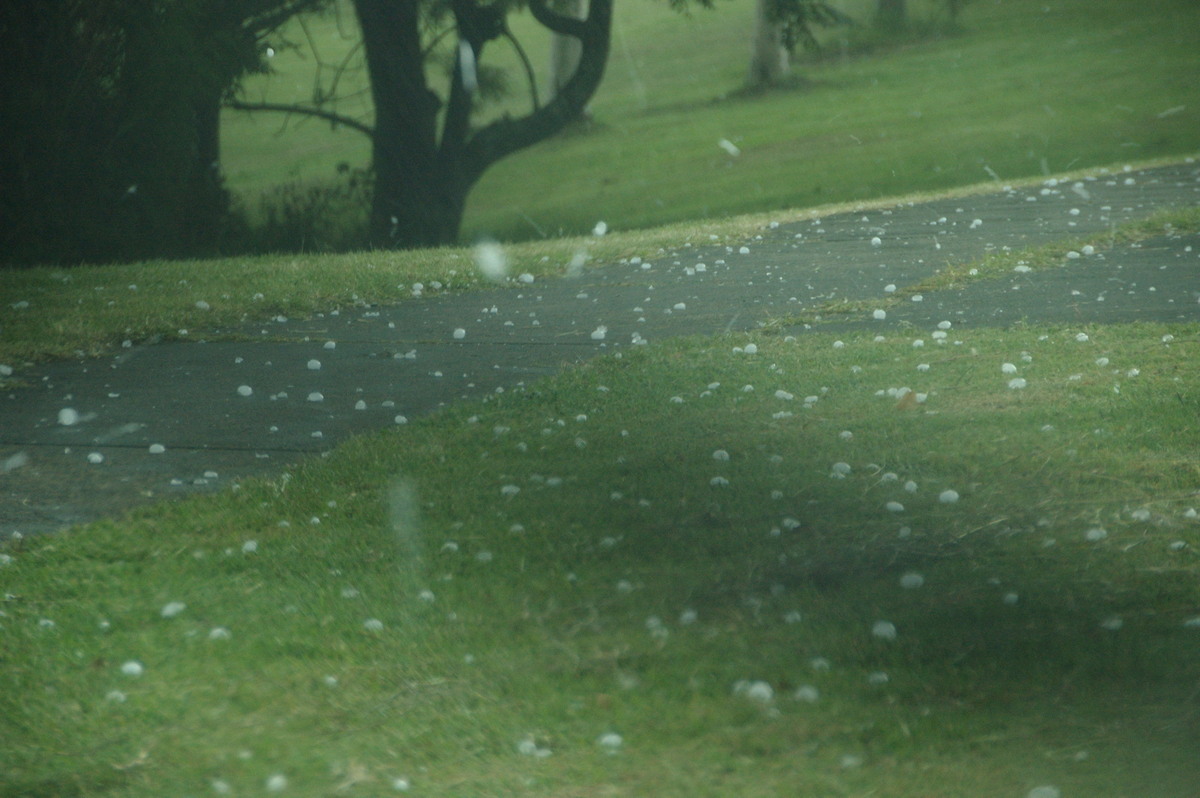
(1026, 89)
(558, 612)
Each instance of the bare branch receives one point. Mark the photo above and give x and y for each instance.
(533, 90)
(337, 119)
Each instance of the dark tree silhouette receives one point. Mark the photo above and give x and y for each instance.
(426, 154)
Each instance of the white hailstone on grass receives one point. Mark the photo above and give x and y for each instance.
(401, 785)
(719, 482)
(599, 333)
(600, 229)
(219, 633)
(427, 596)
(876, 241)
(1141, 514)
(1192, 623)
(750, 349)
(890, 288)
(1095, 534)
(877, 678)
(912, 580)
(133, 668)
(841, 469)
(884, 630)
(744, 250)
(879, 314)
(807, 693)
(784, 395)
(202, 305)
(314, 365)
(944, 325)
(157, 448)
(116, 696)
(624, 586)
(1044, 791)
(95, 458)
(845, 434)
(1168, 338)
(1010, 599)
(360, 405)
(400, 420)
(316, 396)
(922, 367)
(173, 608)
(509, 491)
(459, 334)
(245, 390)
(790, 523)
(249, 547)
(68, 417)
(1101, 362)
(819, 664)
(1017, 383)
(277, 783)
(1113, 623)
(910, 486)
(948, 496)
(688, 617)
(1191, 512)
(1081, 337)
(721, 455)
(610, 742)
(792, 617)
(525, 277)
(839, 344)
(373, 625)
(1008, 368)
(894, 507)
(5, 370)
(917, 344)
(757, 691)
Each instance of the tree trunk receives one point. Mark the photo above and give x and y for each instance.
(414, 201)
(564, 50)
(769, 62)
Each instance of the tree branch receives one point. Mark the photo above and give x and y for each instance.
(506, 136)
(568, 26)
(337, 119)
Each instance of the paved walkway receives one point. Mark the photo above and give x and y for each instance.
(313, 383)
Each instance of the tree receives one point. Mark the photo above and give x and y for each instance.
(109, 146)
(779, 27)
(426, 154)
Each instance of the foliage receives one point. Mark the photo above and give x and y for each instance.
(109, 147)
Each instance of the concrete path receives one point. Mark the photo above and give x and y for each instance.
(221, 411)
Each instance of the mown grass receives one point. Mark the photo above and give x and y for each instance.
(1024, 89)
(558, 608)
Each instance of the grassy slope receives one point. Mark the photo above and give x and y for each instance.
(1027, 88)
(1029, 655)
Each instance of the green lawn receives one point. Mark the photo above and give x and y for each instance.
(470, 604)
(1027, 88)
